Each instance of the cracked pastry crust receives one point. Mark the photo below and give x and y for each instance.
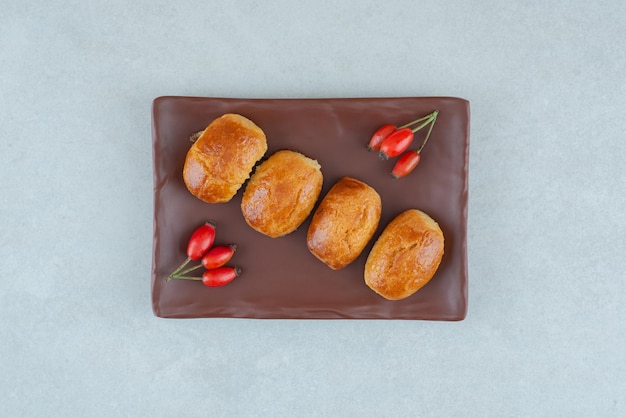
(281, 193)
(406, 255)
(222, 158)
(344, 223)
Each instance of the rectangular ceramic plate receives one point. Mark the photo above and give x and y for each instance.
(280, 278)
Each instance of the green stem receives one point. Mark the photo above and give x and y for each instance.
(435, 113)
(429, 116)
(414, 122)
(179, 268)
(429, 120)
(190, 269)
(176, 277)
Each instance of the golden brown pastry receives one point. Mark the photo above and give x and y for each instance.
(344, 223)
(221, 159)
(281, 193)
(406, 255)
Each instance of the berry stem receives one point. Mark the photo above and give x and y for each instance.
(190, 269)
(177, 277)
(430, 118)
(414, 122)
(434, 119)
(179, 268)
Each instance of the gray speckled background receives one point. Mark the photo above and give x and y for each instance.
(545, 331)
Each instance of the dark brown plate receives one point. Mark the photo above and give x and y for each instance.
(280, 278)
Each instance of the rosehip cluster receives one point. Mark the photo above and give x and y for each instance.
(391, 141)
(212, 258)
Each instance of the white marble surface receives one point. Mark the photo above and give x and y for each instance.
(545, 332)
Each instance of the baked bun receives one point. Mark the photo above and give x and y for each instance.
(281, 193)
(344, 223)
(406, 256)
(221, 159)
